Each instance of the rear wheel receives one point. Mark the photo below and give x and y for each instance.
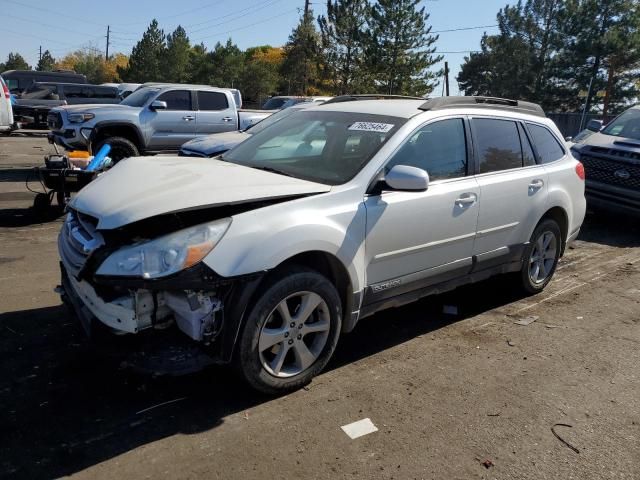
(120, 148)
(291, 331)
(541, 256)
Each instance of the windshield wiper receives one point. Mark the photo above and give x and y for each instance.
(272, 170)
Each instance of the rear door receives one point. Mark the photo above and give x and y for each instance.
(174, 126)
(215, 114)
(513, 188)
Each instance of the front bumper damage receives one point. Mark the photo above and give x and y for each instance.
(156, 329)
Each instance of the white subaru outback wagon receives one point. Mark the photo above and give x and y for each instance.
(265, 255)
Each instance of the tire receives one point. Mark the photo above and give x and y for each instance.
(536, 273)
(307, 345)
(120, 148)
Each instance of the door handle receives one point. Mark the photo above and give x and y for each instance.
(536, 184)
(466, 199)
(227, 119)
(188, 118)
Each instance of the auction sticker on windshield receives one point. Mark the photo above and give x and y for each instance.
(371, 127)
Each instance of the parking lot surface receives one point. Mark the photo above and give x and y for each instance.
(464, 394)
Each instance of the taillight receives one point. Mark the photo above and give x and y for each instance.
(6, 91)
(580, 171)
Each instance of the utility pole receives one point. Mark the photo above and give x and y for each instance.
(446, 78)
(106, 54)
(306, 7)
(40, 54)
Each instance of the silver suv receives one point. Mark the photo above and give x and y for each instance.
(266, 255)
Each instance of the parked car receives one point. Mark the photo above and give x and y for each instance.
(35, 102)
(593, 126)
(276, 103)
(126, 89)
(19, 80)
(155, 118)
(212, 145)
(265, 256)
(295, 101)
(611, 158)
(6, 112)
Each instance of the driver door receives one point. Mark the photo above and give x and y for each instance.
(415, 239)
(175, 125)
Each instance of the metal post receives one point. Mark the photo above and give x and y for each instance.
(584, 109)
(446, 78)
(106, 55)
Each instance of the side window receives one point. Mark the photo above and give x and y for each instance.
(212, 101)
(548, 147)
(498, 144)
(72, 92)
(177, 99)
(440, 148)
(528, 158)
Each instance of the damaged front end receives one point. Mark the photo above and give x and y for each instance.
(148, 288)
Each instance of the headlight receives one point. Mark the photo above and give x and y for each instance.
(165, 255)
(80, 117)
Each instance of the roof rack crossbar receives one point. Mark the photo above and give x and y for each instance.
(517, 106)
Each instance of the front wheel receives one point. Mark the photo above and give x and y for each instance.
(291, 331)
(120, 148)
(541, 256)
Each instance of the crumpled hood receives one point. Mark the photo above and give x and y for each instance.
(144, 187)
(215, 144)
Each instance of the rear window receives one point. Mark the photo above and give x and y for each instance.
(498, 144)
(41, 91)
(212, 101)
(549, 149)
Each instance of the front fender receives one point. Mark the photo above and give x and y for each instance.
(262, 239)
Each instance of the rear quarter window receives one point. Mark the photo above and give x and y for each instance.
(548, 147)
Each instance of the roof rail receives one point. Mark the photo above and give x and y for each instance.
(370, 96)
(483, 102)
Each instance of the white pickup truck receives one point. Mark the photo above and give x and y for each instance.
(155, 118)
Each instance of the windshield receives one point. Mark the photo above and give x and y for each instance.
(325, 147)
(626, 125)
(270, 120)
(139, 97)
(274, 103)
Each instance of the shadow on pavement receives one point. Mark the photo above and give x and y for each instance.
(607, 228)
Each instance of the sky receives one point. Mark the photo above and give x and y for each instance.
(73, 24)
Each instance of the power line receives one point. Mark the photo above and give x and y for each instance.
(464, 28)
(252, 8)
(269, 3)
(47, 25)
(178, 14)
(83, 20)
(247, 26)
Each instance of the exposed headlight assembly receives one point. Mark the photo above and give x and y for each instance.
(165, 255)
(80, 117)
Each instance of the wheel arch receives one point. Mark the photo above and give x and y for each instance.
(126, 130)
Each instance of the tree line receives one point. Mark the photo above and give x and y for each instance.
(551, 51)
(546, 51)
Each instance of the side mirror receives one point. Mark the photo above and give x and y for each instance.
(406, 178)
(594, 125)
(568, 139)
(158, 105)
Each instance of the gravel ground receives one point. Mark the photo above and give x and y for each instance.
(471, 395)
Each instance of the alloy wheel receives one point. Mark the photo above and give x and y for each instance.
(543, 256)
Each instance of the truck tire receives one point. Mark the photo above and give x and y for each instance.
(120, 148)
(291, 331)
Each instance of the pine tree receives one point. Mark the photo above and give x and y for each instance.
(146, 60)
(177, 57)
(402, 48)
(227, 64)
(602, 41)
(343, 39)
(302, 58)
(46, 62)
(15, 61)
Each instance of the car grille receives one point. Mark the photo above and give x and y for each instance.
(613, 167)
(54, 120)
(77, 240)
